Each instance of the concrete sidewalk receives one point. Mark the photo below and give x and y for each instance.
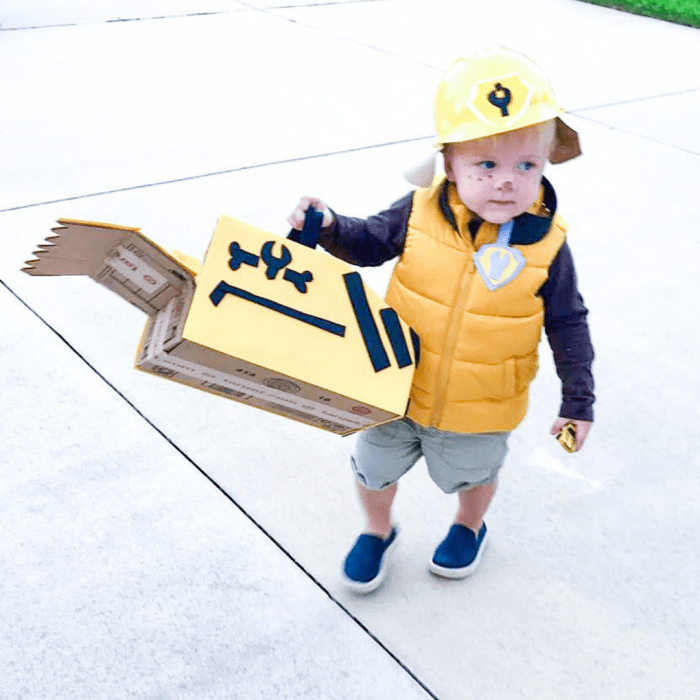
(159, 542)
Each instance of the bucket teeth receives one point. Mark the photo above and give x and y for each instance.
(120, 258)
(74, 248)
(30, 269)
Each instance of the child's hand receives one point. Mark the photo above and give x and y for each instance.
(583, 427)
(296, 218)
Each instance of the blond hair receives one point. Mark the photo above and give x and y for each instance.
(546, 133)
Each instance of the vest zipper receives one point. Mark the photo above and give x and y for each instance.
(450, 342)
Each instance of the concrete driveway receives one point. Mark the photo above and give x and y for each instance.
(158, 542)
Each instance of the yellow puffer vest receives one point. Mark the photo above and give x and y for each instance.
(478, 347)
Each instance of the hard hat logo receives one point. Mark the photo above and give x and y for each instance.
(501, 102)
(500, 98)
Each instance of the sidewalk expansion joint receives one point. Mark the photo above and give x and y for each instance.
(311, 4)
(218, 173)
(115, 21)
(230, 498)
(638, 135)
(40, 26)
(635, 100)
(274, 10)
(148, 19)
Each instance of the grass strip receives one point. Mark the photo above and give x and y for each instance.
(678, 11)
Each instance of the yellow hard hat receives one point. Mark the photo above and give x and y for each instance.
(495, 91)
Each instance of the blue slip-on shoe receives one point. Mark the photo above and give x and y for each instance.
(459, 554)
(365, 566)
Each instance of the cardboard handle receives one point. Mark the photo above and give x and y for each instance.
(311, 232)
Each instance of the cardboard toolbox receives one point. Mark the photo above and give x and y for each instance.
(265, 320)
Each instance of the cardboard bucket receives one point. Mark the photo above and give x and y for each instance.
(265, 321)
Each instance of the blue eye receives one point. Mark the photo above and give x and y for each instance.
(526, 165)
(487, 164)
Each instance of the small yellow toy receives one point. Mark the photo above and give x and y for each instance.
(567, 437)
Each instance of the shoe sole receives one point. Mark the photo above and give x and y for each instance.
(463, 572)
(369, 586)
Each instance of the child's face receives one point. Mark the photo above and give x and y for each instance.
(498, 178)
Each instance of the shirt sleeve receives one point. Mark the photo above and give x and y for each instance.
(566, 326)
(371, 241)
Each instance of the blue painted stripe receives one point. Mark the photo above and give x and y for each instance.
(222, 289)
(365, 320)
(415, 339)
(392, 325)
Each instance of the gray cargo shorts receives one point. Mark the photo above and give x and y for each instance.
(456, 461)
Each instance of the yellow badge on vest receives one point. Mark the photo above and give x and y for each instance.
(498, 263)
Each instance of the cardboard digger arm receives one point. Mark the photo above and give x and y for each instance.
(120, 258)
(78, 248)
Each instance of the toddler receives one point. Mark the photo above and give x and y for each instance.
(483, 265)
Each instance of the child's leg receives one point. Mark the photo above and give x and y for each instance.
(377, 507)
(473, 504)
(382, 455)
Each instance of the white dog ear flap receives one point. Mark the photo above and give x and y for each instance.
(422, 173)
